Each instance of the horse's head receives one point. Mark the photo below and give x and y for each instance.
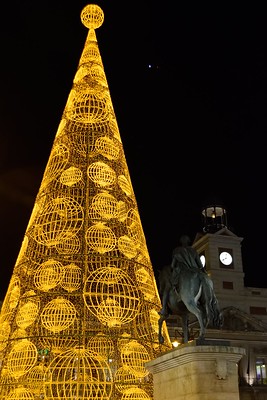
(164, 279)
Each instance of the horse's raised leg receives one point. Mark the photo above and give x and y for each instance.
(160, 322)
(164, 301)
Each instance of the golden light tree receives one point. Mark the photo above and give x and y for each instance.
(80, 316)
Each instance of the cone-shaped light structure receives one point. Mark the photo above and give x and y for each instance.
(80, 316)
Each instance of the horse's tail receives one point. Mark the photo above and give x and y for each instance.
(213, 314)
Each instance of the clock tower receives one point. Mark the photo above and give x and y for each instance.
(220, 252)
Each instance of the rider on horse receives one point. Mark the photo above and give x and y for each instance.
(184, 256)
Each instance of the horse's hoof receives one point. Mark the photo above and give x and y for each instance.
(201, 339)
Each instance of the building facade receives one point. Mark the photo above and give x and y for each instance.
(244, 308)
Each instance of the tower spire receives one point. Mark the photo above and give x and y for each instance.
(80, 316)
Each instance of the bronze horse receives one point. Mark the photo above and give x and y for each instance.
(186, 291)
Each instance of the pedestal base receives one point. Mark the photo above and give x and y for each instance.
(197, 372)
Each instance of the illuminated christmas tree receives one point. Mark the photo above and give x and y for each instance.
(80, 316)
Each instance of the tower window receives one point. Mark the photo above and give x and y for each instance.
(258, 310)
(228, 285)
(256, 293)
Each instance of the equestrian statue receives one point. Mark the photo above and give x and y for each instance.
(184, 288)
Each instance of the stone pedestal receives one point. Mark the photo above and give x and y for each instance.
(197, 372)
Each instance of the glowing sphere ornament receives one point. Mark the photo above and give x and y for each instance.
(78, 374)
(111, 295)
(134, 355)
(92, 16)
(21, 358)
(58, 315)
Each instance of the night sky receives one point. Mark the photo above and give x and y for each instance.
(189, 89)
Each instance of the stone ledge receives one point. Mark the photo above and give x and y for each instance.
(194, 352)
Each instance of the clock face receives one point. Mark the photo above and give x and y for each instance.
(203, 260)
(226, 258)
